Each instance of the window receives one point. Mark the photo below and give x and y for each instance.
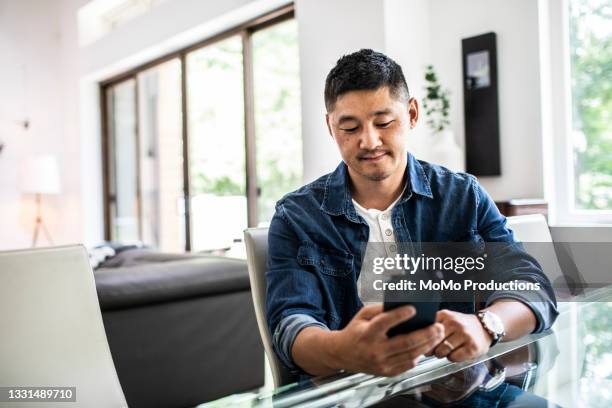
(160, 156)
(200, 144)
(575, 48)
(122, 193)
(217, 144)
(590, 32)
(277, 115)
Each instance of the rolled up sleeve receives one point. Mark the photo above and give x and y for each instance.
(285, 334)
(538, 303)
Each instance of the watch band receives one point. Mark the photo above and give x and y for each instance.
(495, 335)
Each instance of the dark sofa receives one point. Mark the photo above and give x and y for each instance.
(181, 327)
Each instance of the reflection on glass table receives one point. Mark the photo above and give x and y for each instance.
(568, 366)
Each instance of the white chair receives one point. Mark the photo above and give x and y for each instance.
(52, 330)
(533, 231)
(256, 242)
(530, 228)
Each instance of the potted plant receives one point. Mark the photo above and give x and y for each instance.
(444, 149)
(436, 102)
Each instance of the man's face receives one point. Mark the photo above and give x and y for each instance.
(371, 128)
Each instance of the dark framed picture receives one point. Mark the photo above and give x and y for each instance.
(481, 106)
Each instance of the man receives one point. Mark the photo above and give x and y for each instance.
(380, 193)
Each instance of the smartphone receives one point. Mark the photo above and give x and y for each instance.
(425, 312)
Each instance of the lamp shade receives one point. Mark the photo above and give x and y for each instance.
(40, 175)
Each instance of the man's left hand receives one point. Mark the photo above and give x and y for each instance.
(466, 338)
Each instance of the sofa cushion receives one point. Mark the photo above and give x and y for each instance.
(138, 256)
(151, 282)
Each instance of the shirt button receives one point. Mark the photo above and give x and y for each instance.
(388, 232)
(393, 248)
(384, 216)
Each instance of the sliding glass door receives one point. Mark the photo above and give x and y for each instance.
(123, 199)
(216, 144)
(276, 84)
(160, 156)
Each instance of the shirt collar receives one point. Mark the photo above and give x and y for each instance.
(337, 196)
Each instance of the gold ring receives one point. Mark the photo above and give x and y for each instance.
(447, 344)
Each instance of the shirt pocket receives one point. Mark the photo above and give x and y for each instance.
(330, 262)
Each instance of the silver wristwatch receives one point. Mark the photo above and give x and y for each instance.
(493, 325)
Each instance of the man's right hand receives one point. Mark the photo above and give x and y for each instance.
(363, 345)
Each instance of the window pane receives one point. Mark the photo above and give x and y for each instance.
(123, 194)
(591, 62)
(216, 144)
(277, 114)
(161, 156)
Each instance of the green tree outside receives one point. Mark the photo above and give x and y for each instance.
(591, 72)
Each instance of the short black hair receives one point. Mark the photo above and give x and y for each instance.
(364, 70)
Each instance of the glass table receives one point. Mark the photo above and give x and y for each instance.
(569, 366)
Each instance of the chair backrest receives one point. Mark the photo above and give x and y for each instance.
(533, 231)
(530, 228)
(256, 241)
(52, 330)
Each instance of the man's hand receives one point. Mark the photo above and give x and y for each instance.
(466, 338)
(363, 345)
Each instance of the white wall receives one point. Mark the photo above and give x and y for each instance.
(516, 25)
(32, 76)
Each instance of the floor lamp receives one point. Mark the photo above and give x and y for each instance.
(40, 176)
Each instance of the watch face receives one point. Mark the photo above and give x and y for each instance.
(493, 322)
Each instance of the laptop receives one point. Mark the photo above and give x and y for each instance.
(51, 328)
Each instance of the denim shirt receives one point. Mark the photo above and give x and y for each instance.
(316, 242)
